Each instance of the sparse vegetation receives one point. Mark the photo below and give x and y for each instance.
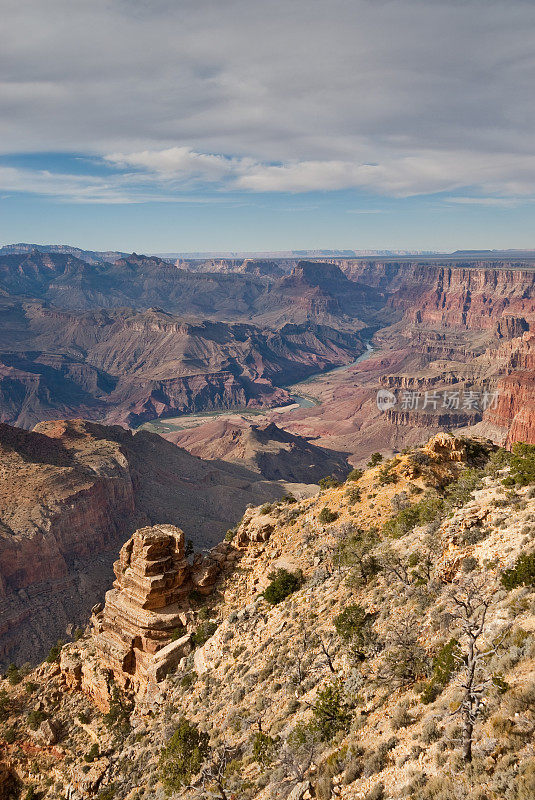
(183, 755)
(375, 459)
(355, 475)
(205, 630)
(283, 583)
(326, 516)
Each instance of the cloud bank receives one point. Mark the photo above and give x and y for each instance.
(397, 97)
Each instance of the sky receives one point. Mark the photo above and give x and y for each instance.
(205, 125)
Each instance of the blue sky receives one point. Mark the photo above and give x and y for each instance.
(161, 126)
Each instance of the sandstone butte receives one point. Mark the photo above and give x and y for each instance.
(143, 630)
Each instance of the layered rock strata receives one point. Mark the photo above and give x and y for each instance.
(144, 627)
(514, 410)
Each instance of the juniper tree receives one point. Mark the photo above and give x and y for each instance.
(469, 606)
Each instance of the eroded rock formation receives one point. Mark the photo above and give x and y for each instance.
(144, 627)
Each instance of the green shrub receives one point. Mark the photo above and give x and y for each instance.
(13, 675)
(10, 735)
(522, 464)
(55, 651)
(427, 509)
(230, 534)
(460, 491)
(355, 475)
(330, 482)
(108, 793)
(353, 624)
(118, 715)
(354, 495)
(385, 475)
(188, 680)
(92, 754)
(326, 516)
(445, 664)
(264, 748)
(35, 718)
(497, 461)
(500, 684)
(178, 633)
(283, 584)
(266, 508)
(203, 633)
(183, 756)
(196, 596)
(289, 499)
(354, 552)
(375, 459)
(331, 711)
(522, 574)
(4, 705)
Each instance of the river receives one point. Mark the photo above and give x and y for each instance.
(195, 418)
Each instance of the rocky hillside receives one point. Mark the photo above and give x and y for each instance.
(90, 256)
(267, 449)
(72, 492)
(138, 281)
(128, 367)
(374, 641)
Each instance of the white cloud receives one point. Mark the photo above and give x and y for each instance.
(73, 187)
(399, 176)
(119, 189)
(503, 202)
(178, 162)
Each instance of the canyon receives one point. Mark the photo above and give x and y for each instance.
(123, 341)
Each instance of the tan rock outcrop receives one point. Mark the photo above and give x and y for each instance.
(142, 631)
